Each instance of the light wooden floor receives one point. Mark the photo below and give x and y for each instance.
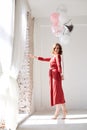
(75, 120)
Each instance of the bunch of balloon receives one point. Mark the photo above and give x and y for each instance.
(61, 24)
(61, 27)
(56, 26)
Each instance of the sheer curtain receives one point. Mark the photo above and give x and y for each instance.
(10, 62)
(25, 77)
(12, 50)
(8, 84)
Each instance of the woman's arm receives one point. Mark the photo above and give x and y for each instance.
(58, 61)
(44, 59)
(32, 56)
(39, 58)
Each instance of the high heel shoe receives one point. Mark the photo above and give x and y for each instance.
(64, 114)
(55, 116)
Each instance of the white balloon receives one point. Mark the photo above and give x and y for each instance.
(65, 31)
(56, 30)
(62, 9)
(63, 18)
(64, 39)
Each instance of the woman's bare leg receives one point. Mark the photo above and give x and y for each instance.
(56, 111)
(64, 110)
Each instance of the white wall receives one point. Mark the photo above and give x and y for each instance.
(75, 63)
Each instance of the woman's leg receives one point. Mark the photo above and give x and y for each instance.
(64, 110)
(56, 111)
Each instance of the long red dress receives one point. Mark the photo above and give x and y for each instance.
(55, 82)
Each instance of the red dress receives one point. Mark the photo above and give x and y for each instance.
(55, 82)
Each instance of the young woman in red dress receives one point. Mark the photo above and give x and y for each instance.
(55, 80)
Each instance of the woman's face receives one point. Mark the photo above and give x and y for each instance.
(56, 50)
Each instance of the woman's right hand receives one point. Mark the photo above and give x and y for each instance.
(32, 56)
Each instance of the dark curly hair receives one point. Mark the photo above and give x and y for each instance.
(60, 48)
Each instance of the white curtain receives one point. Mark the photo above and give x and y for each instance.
(11, 56)
(25, 77)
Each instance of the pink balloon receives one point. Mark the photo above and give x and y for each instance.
(54, 18)
(56, 29)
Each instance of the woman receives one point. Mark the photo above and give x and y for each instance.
(55, 80)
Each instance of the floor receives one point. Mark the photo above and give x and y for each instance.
(75, 120)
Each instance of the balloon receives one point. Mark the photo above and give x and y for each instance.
(63, 18)
(65, 31)
(58, 34)
(69, 27)
(62, 9)
(54, 18)
(57, 30)
(61, 24)
(64, 39)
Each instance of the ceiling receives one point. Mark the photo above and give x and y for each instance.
(43, 8)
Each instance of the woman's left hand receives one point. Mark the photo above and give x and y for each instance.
(62, 77)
